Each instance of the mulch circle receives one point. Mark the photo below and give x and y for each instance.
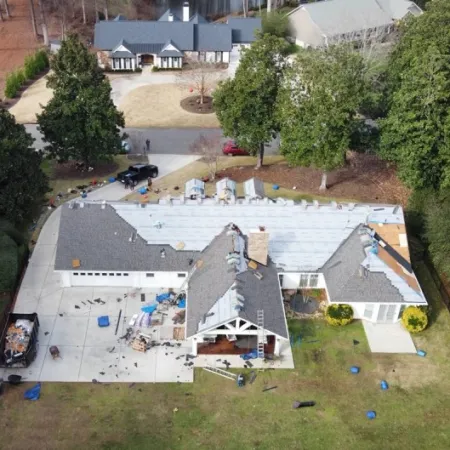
(192, 104)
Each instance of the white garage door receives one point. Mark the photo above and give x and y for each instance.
(102, 279)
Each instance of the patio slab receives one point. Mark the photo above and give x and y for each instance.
(99, 363)
(66, 368)
(388, 338)
(69, 331)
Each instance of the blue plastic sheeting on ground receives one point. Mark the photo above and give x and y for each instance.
(354, 369)
(275, 187)
(143, 190)
(149, 309)
(182, 303)
(161, 297)
(371, 414)
(250, 355)
(34, 393)
(384, 385)
(112, 179)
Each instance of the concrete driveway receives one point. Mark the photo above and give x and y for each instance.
(68, 319)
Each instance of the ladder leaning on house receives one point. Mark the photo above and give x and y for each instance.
(260, 323)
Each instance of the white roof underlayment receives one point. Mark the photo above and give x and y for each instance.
(301, 237)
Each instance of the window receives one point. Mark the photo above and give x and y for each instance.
(104, 274)
(75, 273)
(304, 280)
(150, 275)
(82, 274)
(97, 274)
(90, 274)
(400, 313)
(181, 275)
(118, 274)
(125, 274)
(368, 310)
(313, 280)
(111, 274)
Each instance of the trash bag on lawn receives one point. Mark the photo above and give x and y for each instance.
(34, 393)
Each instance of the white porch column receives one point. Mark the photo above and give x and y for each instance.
(194, 346)
(133, 63)
(277, 348)
(65, 279)
(375, 314)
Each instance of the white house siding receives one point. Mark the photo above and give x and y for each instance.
(305, 32)
(291, 280)
(377, 312)
(226, 57)
(210, 57)
(123, 279)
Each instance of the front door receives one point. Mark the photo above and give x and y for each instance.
(147, 59)
(386, 313)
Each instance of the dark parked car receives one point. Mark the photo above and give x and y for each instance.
(138, 172)
(231, 149)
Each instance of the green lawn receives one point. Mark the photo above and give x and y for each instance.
(213, 413)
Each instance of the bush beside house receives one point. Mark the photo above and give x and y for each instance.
(339, 315)
(414, 319)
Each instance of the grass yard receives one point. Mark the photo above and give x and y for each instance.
(158, 105)
(214, 413)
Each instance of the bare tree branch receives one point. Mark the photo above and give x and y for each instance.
(200, 77)
(33, 18)
(6, 8)
(210, 150)
(83, 8)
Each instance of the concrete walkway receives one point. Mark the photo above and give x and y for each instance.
(388, 338)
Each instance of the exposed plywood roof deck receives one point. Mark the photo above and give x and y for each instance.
(395, 235)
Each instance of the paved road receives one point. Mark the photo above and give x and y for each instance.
(168, 141)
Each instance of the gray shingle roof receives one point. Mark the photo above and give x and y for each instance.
(197, 18)
(122, 54)
(212, 37)
(345, 283)
(165, 16)
(335, 17)
(108, 34)
(99, 238)
(215, 277)
(209, 282)
(145, 48)
(243, 29)
(398, 9)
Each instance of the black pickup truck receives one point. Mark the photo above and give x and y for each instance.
(137, 173)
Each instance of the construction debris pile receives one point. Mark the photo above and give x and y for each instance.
(17, 339)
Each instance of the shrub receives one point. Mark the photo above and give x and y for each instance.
(41, 60)
(155, 69)
(339, 315)
(9, 263)
(414, 319)
(21, 78)
(12, 85)
(29, 68)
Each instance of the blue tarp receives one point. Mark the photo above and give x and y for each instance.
(251, 355)
(182, 303)
(34, 393)
(161, 297)
(149, 309)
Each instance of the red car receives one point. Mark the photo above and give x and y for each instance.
(231, 149)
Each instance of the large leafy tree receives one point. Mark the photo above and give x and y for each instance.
(22, 182)
(317, 106)
(416, 132)
(81, 121)
(245, 105)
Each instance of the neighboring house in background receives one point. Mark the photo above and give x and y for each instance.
(166, 43)
(330, 21)
(234, 256)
